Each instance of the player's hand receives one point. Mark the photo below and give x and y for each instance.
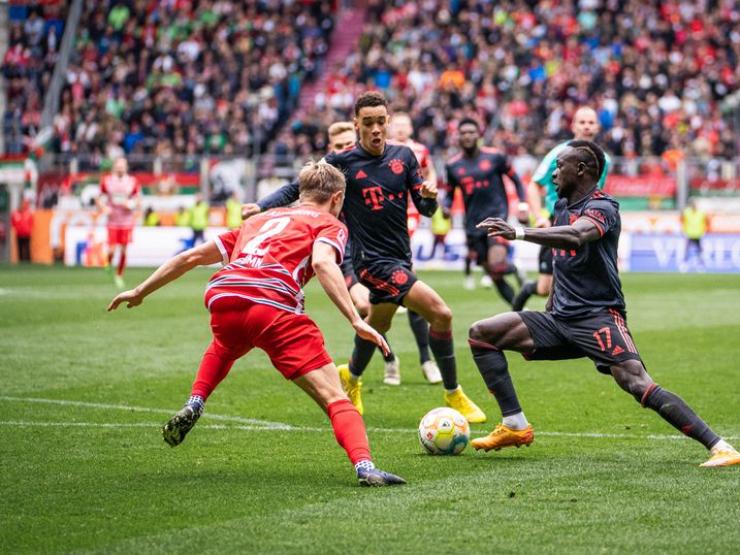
(428, 190)
(250, 209)
(542, 222)
(446, 213)
(497, 227)
(132, 297)
(368, 333)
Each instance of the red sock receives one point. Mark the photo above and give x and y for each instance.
(110, 256)
(349, 429)
(214, 366)
(121, 263)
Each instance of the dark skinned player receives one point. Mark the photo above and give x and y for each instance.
(478, 172)
(586, 311)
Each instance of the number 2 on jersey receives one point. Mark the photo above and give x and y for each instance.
(270, 228)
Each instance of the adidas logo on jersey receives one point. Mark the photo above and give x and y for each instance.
(617, 351)
(360, 175)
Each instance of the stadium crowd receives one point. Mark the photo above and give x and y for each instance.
(34, 37)
(217, 77)
(186, 78)
(656, 71)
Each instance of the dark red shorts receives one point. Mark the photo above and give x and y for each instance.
(292, 341)
(120, 235)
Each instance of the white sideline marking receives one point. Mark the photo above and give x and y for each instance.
(253, 428)
(239, 419)
(253, 424)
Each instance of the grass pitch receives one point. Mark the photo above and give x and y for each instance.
(84, 467)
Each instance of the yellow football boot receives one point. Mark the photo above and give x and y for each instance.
(353, 388)
(503, 436)
(465, 406)
(723, 457)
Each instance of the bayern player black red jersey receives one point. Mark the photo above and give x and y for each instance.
(480, 179)
(376, 201)
(586, 279)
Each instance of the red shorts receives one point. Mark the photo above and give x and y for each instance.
(120, 235)
(292, 341)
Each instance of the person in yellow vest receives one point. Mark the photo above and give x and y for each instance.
(199, 219)
(695, 224)
(440, 228)
(151, 218)
(182, 218)
(233, 211)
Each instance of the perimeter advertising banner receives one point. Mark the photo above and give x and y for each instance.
(671, 252)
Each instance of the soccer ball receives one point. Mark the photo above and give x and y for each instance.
(444, 431)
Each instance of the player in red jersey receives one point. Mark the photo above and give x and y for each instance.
(256, 300)
(401, 131)
(120, 197)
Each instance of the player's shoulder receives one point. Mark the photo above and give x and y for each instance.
(454, 160)
(491, 151)
(600, 199)
(397, 149)
(344, 155)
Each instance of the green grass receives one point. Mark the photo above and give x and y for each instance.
(96, 478)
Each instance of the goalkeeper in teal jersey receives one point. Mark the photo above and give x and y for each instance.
(585, 127)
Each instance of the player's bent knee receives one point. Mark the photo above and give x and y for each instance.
(442, 317)
(481, 332)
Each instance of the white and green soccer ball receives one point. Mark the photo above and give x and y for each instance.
(444, 431)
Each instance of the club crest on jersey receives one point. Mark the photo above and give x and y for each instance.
(396, 166)
(484, 165)
(461, 171)
(399, 277)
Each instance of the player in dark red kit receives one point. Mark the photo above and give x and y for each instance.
(256, 300)
(586, 314)
(478, 172)
(380, 179)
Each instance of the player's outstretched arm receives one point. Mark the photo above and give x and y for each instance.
(202, 255)
(571, 236)
(324, 263)
(285, 195)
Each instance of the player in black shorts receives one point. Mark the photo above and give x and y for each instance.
(586, 310)
(478, 172)
(380, 179)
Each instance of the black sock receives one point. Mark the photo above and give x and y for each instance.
(468, 264)
(504, 289)
(390, 356)
(494, 369)
(444, 353)
(420, 327)
(679, 415)
(361, 356)
(527, 290)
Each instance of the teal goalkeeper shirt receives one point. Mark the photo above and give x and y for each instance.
(543, 175)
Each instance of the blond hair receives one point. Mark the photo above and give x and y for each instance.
(340, 127)
(318, 181)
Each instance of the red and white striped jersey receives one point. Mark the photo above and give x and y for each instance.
(268, 259)
(120, 194)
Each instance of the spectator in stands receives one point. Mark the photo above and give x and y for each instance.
(656, 71)
(22, 221)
